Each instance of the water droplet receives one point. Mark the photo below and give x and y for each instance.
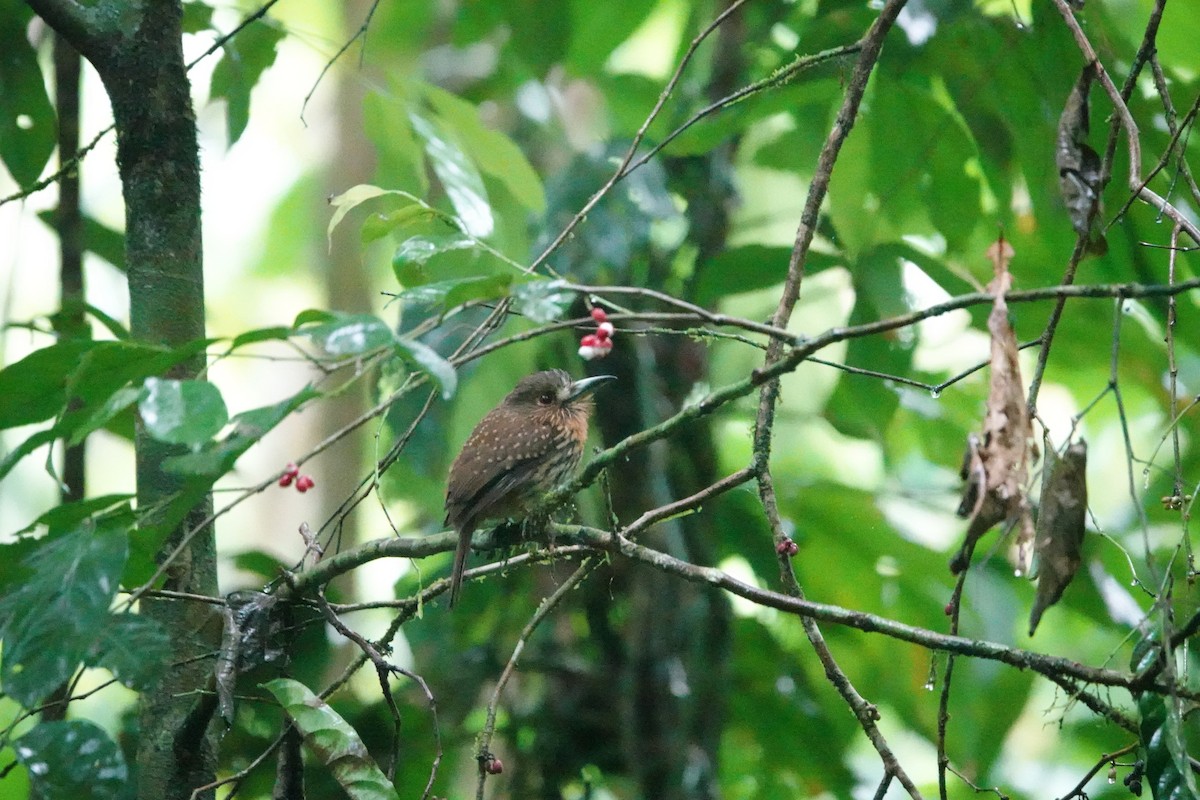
(929, 686)
(935, 393)
(1111, 780)
(1018, 572)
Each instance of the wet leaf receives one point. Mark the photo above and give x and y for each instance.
(440, 295)
(543, 301)
(1168, 768)
(459, 177)
(182, 412)
(416, 250)
(72, 759)
(218, 457)
(492, 151)
(350, 334)
(1060, 527)
(426, 359)
(333, 741)
(997, 460)
(381, 223)
(135, 649)
(51, 620)
(399, 156)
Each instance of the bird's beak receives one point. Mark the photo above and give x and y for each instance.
(586, 386)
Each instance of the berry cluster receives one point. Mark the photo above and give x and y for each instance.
(292, 473)
(598, 344)
(787, 547)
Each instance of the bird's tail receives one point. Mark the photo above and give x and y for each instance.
(460, 565)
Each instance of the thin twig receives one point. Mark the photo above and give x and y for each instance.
(1106, 758)
(623, 169)
(384, 669)
(1136, 184)
(483, 752)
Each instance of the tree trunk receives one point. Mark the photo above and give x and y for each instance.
(138, 53)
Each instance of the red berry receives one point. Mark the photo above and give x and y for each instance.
(286, 479)
(793, 548)
(604, 344)
(304, 483)
(604, 330)
(291, 469)
(589, 341)
(949, 609)
(493, 766)
(599, 314)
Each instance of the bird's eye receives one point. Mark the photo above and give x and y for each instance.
(545, 398)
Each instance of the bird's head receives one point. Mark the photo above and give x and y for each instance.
(553, 389)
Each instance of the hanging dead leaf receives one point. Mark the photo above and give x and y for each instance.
(1078, 164)
(1060, 527)
(997, 460)
(253, 628)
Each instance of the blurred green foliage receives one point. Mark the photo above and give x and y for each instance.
(499, 120)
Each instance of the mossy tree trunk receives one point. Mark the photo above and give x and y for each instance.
(136, 48)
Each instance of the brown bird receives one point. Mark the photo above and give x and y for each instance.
(523, 448)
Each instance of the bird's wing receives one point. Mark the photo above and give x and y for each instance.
(494, 496)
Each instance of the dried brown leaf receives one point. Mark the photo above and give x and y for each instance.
(1079, 173)
(997, 460)
(1060, 528)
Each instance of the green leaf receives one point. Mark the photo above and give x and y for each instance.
(98, 239)
(926, 168)
(400, 157)
(182, 412)
(749, 268)
(311, 315)
(110, 410)
(491, 150)
(863, 405)
(350, 334)
(218, 457)
(272, 334)
(51, 620)
(458, 175)
(333, 741)
(355, 196)
(63, 517)
(27, 124)
(426, 359)
(135, 649)
(72, 759)
(35, 440)
(597, 28)
(543, 301)
(1167, 768)
(119, 331)
(34, 388)
(416, 250)
(441, 295)
(246, 57)
(197, 17)
(380, 224)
